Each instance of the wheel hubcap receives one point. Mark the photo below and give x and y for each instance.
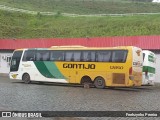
(100, 82)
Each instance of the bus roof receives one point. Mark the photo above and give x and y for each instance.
(84, 47)
(73, 46)
(77, 47)
(19, 49)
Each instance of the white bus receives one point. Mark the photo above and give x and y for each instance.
(149, 64)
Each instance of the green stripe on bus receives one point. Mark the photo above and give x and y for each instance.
(52, 68)
(42, 68)
(149, 69)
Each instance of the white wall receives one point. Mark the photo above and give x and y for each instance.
(4, 62)
(158, 68)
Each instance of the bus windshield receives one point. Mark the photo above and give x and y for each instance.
(15, 60)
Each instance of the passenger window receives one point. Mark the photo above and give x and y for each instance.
(73, 56)
(119, 56)
(103, 56)
(88, 56)
(77, 56)
(29, 55)
(57, 55)
(42, 55)
(69, 56)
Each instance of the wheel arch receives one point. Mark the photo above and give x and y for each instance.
(98, 77)
(99, 82)
(25, 74)
(86, 78)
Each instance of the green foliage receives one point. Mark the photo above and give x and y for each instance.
(85, 6)
(58, 14)
(19, 25)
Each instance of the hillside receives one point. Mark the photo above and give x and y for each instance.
(19, 25)
(85, 6)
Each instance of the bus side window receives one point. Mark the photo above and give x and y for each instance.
(45, 56)
(57, 56)
(69, 56)
(103, 56)
(88, 56)
(42, 55)
(85, 56)
(77, 56)
(99, 57)
(119, 56)
(51, 55)
(29, 55)
(38, 56)
(93, 56)
(73, 56)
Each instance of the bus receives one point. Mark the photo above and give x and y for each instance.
(149, 64)
(99, 66)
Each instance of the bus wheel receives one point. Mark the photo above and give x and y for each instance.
(99, 82)
(26, 78)
(86, 81)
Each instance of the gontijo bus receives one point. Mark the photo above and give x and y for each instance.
(115, 66)
(149, 67)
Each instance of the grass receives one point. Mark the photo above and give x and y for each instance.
(19, 25)
(85, 6)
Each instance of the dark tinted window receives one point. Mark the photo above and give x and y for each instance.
(69, 56)
(29, 55)
(73, 56)
(88, 56)
(104, 56)
(42, 55)
(119, 56)
(76, 55)
(15, 60)
(57, 55)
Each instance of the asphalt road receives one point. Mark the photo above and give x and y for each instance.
(18, 96)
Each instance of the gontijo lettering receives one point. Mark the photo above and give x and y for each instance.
(79, 66)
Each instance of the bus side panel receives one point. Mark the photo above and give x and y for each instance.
(114, 74)
(74, 71)
(43, 71)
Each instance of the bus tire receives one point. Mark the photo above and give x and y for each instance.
(26, 78)
(86, 79)
(99, 83)
(86, 82)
